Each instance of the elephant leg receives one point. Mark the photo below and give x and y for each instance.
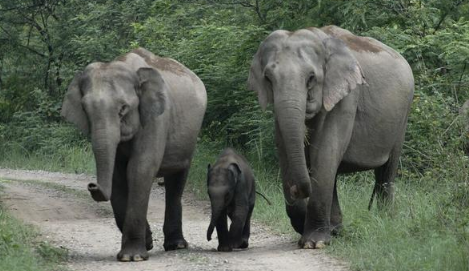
(247, 230)
(172, 228)
(336, 213)
(119, 199)
(223, 235)
(385, 175)
(317, 228)
(296, 209)
(136, 229)
(329, 140)
(238, 220)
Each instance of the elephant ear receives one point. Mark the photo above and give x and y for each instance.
(258, 83)
(72, 110)
(235, 171)
(343, 72)
(153, 96)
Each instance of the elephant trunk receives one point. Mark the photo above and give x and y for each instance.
(217, 209)
(290, 115)
(104, 144)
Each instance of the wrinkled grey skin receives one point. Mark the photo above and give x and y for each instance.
(231, 187)
(143, 114)
(350, 97)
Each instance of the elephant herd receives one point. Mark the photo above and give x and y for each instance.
(340, 103)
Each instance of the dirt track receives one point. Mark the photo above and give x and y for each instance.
(59, 205)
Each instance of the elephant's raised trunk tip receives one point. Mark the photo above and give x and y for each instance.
(97, 193)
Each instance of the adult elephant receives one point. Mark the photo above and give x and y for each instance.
(143, 113)
(350, 97)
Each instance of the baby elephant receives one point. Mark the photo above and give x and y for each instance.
(232, 192)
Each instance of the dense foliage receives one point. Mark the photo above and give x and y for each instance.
(44, 42)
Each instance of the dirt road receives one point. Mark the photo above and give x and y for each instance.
(59, 205)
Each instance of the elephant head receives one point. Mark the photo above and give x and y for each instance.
(221, 183)
(302, 74)
(112, 102)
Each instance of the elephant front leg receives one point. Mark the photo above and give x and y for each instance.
(135, 230)
(246, 230)
(172, 228)
(224, 244)
(119, 199)
(238, 221)
(317, 229)
(322, 206)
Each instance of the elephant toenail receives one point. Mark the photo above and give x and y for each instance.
(125, 258)
(320, 244)
(308, 245)
(138, 258)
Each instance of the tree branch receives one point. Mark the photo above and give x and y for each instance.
(21, 45)
(444, 15)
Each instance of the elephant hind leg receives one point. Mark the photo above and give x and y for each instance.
(336, 213)
(384, 184)
(172, 228)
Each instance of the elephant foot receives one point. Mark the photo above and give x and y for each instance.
(336, 229)
(149, 244)
(315, 240)
(175, 244)
(242, 245)
(132, 255)
(224, 248)
(149, 240)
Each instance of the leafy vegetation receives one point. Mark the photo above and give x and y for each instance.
(44, 42)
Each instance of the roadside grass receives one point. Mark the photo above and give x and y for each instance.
(427, 228)
(70, 159)
(21, 250)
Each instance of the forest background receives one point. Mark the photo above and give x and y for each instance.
(43, 43)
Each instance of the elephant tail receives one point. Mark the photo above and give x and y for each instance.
(372, 196)
(210, 231)
(266, 199)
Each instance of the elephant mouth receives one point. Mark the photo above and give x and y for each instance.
(126, 136)
(312, 108)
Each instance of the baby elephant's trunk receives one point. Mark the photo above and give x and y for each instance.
(211, 227)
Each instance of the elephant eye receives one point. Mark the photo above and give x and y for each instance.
(310, 82)
(123, 111)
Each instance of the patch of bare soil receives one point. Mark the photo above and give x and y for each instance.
(59, 205)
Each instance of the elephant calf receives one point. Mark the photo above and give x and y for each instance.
(232, 192)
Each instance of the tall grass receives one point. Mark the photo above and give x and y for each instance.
(68, 158)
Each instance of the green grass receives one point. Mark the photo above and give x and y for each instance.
(70, 159)
(420, 233)
(21, 250)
